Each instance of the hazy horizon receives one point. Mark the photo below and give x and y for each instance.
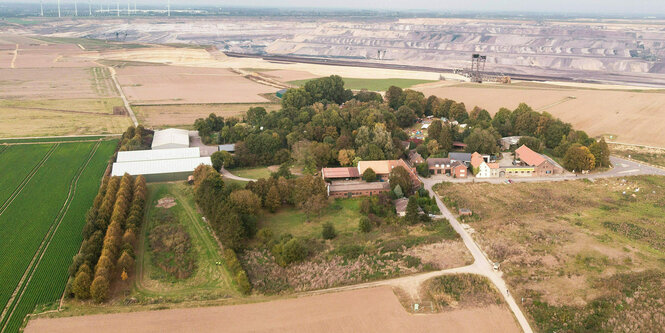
(594, 7)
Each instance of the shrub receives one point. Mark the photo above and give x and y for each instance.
(328, 231)
(293, 251)
(243, 282)
(99, 289)
(369, 175)
(364, 225)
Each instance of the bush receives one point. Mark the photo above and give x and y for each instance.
(328, 231)
(364, 225)
(233, 265)
(293, 251)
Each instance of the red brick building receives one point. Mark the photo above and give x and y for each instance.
(543, 165)
(356, 189)
(447, 166)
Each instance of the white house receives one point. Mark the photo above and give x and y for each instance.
(488, 170)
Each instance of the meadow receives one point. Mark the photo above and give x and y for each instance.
(584, 255)
(60, 178)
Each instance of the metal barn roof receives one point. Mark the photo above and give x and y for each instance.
(159, 154)
(170, 138)
(230, 147)
(159, 166)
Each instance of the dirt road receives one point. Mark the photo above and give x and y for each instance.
(122, 95)
(367, 310)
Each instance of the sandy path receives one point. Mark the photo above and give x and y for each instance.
(13, 65)
(367, 310)
(122, 95)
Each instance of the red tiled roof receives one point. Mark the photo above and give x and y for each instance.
(476, 159)
(529, 156)
(349, 172)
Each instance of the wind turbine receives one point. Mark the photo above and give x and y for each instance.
(41, 6)
(58, 8)
(168, 6)
(128, 10)
(76, 9)
(90, 8)
(117, 8)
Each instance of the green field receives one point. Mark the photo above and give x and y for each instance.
(372, 84)
(251, 173)
(38, 243)
(207, 280)
(59, 139)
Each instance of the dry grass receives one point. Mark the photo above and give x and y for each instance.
(21, 123)
(186, 114)
(652, 156)
(630, 116)
(561, 244)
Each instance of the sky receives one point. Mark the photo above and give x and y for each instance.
(614, 7)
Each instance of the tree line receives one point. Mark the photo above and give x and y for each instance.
(108, 249)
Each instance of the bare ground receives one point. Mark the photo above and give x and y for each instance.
(367, 310)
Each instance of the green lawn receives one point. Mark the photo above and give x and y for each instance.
(62, 189)
(251, 173)
(372, 84)
(344, 214)
(209, 281)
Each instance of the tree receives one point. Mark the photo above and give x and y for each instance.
(255, 115)
(221, 159)
(296, 98)
(400, 176)
(99, 289)
(364, 225)
(579, 158)
(601, 153)
(501, 122)
(369, 175)
(405, 116)
(126, 262)
(481, 141)
(423, 169)
(394, 97)
(533, 143)
(328, 231)
(398, 191)
(245, 202)
(273, 201)
(458, 112)
(81, 284)
(411, 216)
(433, 147)
(346, 156)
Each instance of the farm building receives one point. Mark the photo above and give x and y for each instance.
(462, 157)
(159, 165)
(343, 173)
(161, 170)
(280, 93)
(447, 166)
(356, 189)
(415, 158)
(542, 165)
(170, 138)
(159, 154)
(508, 141)
(383, 168)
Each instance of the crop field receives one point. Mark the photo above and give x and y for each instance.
(186, 114)
(636, 116)
(62, 179)
(584, 255)
(372, 84)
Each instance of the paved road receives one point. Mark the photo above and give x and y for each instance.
(622, 167)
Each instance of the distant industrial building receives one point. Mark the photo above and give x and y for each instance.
(160, 165)
(170, 138)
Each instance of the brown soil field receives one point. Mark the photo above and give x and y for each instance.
(186, 114)
(630, 116)
(186, 85)
(53, 83)
(366, 310)
(285, 75)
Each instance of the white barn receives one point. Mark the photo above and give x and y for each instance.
(159, 154)
(170, 138)
(159, 165)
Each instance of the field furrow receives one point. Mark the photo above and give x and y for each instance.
(27, 220)
(48, 278)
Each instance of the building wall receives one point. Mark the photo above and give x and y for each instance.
(460, 172)
(547, 169)
(167, 177)
(354, 194)
(519, 172)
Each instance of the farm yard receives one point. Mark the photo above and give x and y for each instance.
(629, 116)
(584, 255)
(38, 244)
(188, 85)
